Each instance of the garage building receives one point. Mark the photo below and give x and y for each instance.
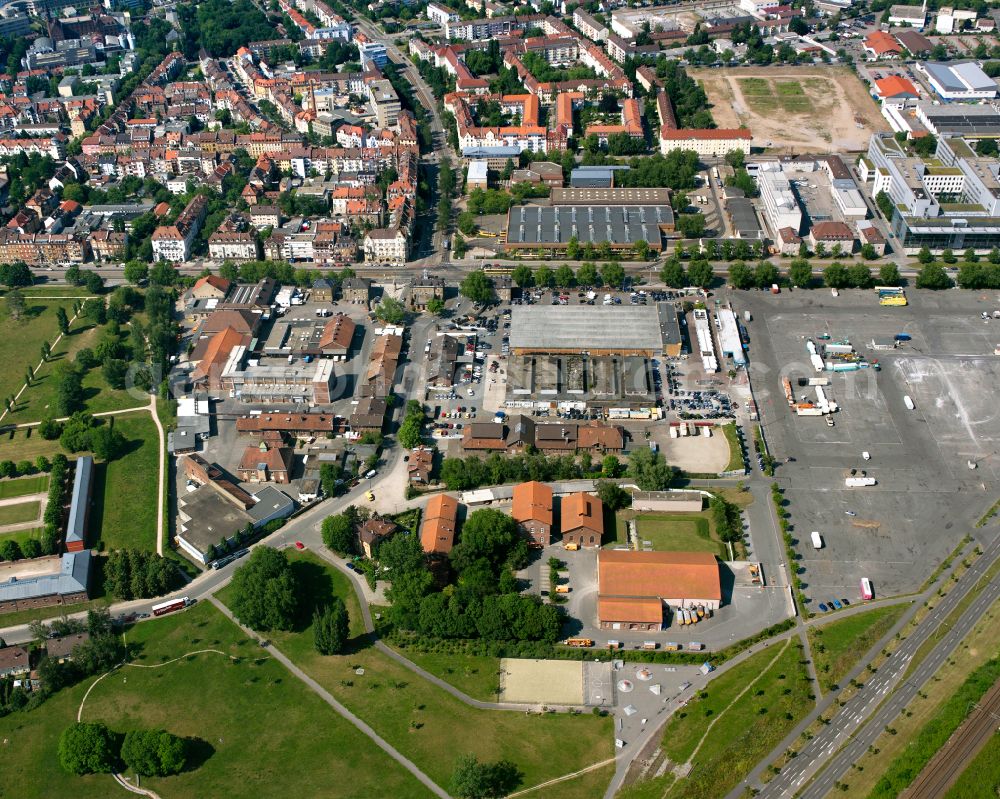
(636, 588)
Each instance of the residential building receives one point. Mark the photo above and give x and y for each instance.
(582, 520)
(263, 462)
(173, 242)
(373, 532)
(356, 290)
(532, 511)
(440, 521)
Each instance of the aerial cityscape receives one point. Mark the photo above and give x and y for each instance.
(506, 398)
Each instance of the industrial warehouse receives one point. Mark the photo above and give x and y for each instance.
(552, 227)
(597, 355)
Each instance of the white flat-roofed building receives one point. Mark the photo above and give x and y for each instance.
(964, 81)
(477, 175)
(780, 206)
(442, 14)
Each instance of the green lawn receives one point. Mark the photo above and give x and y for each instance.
(24, 486)
(258, 730)
(25, 444)
(981, 778)
(20, 513)
(789, 88)
(39, 400)
(125, 490)
(735, 450)
(430, 726)
(476, 676)
(754, 86)
(21, 340)
(683, 532)
(837, 646)
(742, 734)
(53, 611)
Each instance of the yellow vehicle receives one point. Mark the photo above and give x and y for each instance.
(563, 589)
(370, 495)
(579, 642)
(572, 547)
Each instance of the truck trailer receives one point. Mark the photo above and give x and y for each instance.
(817, 540)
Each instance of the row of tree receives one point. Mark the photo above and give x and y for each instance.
(137, 574)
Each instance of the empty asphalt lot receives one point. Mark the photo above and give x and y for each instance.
(927, 498)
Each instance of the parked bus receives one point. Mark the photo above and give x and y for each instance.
(866, 589)
(170, 606)
(579, 642)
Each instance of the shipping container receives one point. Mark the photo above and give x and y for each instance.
(817, 540)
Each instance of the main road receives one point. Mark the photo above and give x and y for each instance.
(854, 727)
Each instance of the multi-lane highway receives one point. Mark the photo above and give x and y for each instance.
(856, 725)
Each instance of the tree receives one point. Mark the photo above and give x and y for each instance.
(672, 274)
(15, 304)
(700, 274)
(115, 371)
(487, 534)
(16, 274)
(477, 287)
(933, 276)
(339, 531)
(888, 275)
(467, 223)
(741, 276)
(88, 748)
(860, 276)
(612, 495)
(613, 275)
(564, 277)
(573, 248)
(391, 311)
(544, 277)
(106, 443)
(765, 274)
(610, 466)
(69, 389)
(154, 753)
(649, 470)
(93, 282)
(641, 249)
(475, 780)
(586, 275)
(736, 159)
(925, 256)
(885, 205)
(868, 252)
(435, 306)
(523, 277)
(800, 273)
(330, 627)
(265, 591)
(62, 320)
(136, 272)
(835, 276)
(691, 226)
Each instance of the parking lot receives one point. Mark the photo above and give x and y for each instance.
(927, 497)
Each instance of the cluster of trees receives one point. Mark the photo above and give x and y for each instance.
(686, 95)
(222, 27)
(485, 62)
(282, 271)
(979, 276)
(698, 273)
(266, 593)
(728, 523)
(85, 432)
(16, 274)
(136, 574)
(93, 748)
(649, 470)
(933, 276)
(473, 779)
(390, 310)
(742, 276)
(340, 531)
(838, 276)
(483, 601)
(412, 425)
(545, 72)
(446, 187)
(476, 286)
(463, 474)
(676, 170)
(26, 173)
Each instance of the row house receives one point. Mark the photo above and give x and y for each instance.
(234, 240)
(43, 248)
(173, 242)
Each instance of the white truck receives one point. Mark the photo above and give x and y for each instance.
(908, 402)
(860, 482)
(817, 540)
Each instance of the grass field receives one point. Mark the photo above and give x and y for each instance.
(724, 731)
(23, 486)
(21, 340)
(124, 509)
(978, 647)
(430, 726)
(20, 513)
(259, 731)
(476, 676)
(26, 444)
(837, 646)
(735, 449)
(766, 96)
(981, 778)
(672, 531)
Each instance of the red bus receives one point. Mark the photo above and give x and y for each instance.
(170, 606)
(866, 589)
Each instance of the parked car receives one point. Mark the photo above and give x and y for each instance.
(299, 545)
(823, 608)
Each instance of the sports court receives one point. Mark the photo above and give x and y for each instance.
(541, 682)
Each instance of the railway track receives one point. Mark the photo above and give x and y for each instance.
(965, 743)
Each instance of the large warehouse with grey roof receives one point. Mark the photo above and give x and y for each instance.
(552, 227)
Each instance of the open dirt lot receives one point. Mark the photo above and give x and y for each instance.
(697, 453)
(804, 109)
(546, 682)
